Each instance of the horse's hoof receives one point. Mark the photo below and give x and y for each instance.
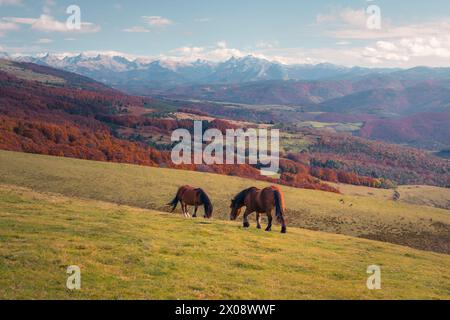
(259, 227)
(269, 229)
(283, 230)
(247, 225)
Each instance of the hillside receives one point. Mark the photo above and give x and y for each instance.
(410, 99)
(422, 97)
(129, 253)
(429, 130)
(53, 112)
(416, 226)
(94, 122)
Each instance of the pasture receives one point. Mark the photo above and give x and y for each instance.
(131, 253)
(358, 212)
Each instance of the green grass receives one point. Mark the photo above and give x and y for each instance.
(417, 226)
(130, 253)
(336, 126)
(418, 195)
(291, 142)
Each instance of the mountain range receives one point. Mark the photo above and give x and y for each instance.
(50, 111)
(165, 73)
(413, 100)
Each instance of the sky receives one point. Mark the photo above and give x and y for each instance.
(373, 33)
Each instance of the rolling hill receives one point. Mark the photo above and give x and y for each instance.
(135, 253)
(422, 97)
(48, 111)
(366, 216)
(427, 129)
(129, 253)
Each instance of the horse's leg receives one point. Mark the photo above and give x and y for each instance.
(185, 210)
(182, 207)
(188, 215)
(283, 225)
(194, 215)
(246, 214)
(258, 220)
(269, 219)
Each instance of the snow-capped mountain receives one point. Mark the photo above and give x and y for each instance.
(247, 69)
(122, 72)
(116, 70)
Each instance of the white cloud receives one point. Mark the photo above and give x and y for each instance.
(47, 23)
(343, 43)
(350, 24)
(136, 29)
(409, 49)
(219, 52)
(406, 45)
(153, 21)
(346, 16)
(10, 3)
(267, 44)
(6, 27)
(157, 21)
(221, 44)
(44, 41)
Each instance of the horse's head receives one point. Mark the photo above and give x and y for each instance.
(208, 211)
(235, 209)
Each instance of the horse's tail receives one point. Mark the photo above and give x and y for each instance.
(206, 202)
(175, 200)
(279, 204)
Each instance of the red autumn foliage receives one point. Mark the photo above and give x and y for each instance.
(74, 122)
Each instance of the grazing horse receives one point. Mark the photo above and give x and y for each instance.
(191, 196)
(262, 202)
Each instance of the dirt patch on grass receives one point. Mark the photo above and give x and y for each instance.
(437, 242)
(423, 235)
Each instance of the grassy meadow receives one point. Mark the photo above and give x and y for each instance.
(360, 212)
(131, 253)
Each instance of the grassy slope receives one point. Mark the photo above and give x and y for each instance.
(129, 253)
(25, 74)
(364, 216)
(417, 195)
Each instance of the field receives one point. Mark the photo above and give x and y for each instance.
(130, 253)
(366, 215)
(417, 195)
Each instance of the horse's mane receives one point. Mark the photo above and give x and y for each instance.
(240, 197)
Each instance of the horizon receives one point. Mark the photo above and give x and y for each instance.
(289, 32)
(149, 60)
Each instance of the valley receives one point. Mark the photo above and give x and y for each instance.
(199, 152)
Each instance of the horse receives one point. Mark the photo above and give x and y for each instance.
(262, 202)
(191, 196)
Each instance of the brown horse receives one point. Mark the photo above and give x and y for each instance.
(262, 202)
(191, 196)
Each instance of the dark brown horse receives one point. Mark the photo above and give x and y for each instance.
(262, 202)
(190, 196)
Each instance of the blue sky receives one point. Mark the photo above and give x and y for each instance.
(290, 31)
